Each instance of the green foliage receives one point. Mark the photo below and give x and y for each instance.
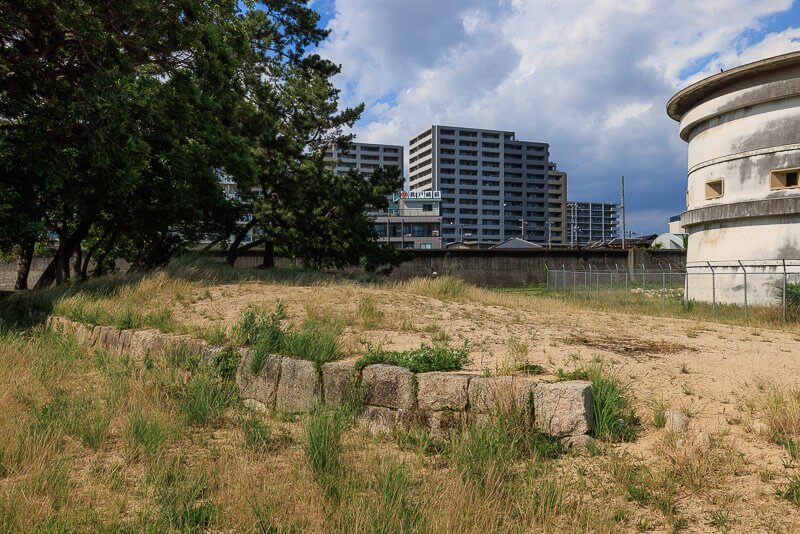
(182, 498)
(577, 374)
(793, 299)
(259, 437)
(146, 434)
(205, 397)
(323, 447)
(614, 417)
(791, 490)
(531, 369)
(485, 454)
(316, 339)
(396, 509)
(421, 360)
(659, 414)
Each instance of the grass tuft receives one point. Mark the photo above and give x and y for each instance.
(323, 447)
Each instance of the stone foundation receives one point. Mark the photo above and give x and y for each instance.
(391, 396)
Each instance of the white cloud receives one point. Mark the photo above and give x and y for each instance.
(621, 115)
(590, 78)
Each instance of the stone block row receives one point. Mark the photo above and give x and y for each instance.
(390, 395)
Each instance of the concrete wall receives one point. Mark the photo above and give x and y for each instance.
(8, 273)
(515, 268)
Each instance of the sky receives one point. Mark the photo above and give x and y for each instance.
(591, 78)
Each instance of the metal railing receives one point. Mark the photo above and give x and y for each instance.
(771, 284)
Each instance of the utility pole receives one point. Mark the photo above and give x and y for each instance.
(549, 234)
(522, 224)
(622, 209)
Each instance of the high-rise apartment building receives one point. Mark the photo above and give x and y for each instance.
(493, 187)
(557, 205)
(589, 222)
(365, 157)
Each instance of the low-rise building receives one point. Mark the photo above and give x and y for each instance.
(413, 220)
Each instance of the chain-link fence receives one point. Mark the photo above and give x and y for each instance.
(763, 287)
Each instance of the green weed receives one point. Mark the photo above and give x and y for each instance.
(421, 360)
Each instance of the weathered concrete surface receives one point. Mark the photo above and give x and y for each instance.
(263, 386)
(388, 386)
(515, 268)
(563, 408)
(299, 387)
(500, 393)
(442, 423)
(378, 419)
(340, 383)
(742, 130)
(442, 391)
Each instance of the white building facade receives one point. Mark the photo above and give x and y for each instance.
(742, 197)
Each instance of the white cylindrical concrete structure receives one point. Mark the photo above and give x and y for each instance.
(742, 199)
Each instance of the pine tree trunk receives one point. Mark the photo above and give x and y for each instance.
(233, 249)
(24, 260)
(269, 255)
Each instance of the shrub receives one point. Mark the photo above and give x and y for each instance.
(421, 360)
(793, 299)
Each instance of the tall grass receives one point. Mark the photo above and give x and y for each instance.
(205, 397)
(614, 416)
(316, 339)
(485, 454)
(323, 430)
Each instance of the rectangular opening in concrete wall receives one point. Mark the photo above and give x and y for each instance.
(714, 189)
(784, 179)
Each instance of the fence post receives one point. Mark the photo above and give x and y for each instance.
(547, 272)
(785, 274)
(663, 288)
(574, 284)
(744, 270)
(564, 278)
(644, 285)
(713, 288)
(589, 286)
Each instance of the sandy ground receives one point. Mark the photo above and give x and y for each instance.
(709, 371)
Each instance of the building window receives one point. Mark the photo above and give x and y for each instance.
(784, 179)
(714, 189)
(427, 207)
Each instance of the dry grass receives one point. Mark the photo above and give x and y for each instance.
(150, 446)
